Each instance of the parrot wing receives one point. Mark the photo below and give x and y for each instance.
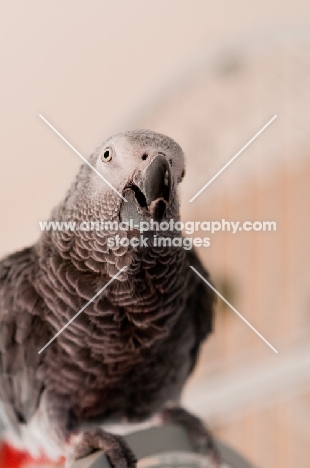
(21, 336)
(200, 304)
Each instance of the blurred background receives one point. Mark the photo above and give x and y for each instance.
(210, 75)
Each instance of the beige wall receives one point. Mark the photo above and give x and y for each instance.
(273, 271)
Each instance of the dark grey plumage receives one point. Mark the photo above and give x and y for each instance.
(129, 353)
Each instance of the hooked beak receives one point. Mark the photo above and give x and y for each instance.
(152, 188)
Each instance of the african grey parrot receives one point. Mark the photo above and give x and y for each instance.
(126, 357)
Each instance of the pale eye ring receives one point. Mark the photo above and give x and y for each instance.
(106, 155)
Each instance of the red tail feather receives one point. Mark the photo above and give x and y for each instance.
(12, 458)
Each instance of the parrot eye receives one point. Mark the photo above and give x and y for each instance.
(107, 155)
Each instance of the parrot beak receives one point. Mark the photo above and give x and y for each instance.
(154, 187)
(149, 193)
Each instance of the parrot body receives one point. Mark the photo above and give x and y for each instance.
(127, 356)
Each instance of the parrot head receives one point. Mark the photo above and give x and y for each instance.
(144, 167)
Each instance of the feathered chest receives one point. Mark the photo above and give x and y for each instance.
(123, 334)
(129, 316)
(146, 295)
